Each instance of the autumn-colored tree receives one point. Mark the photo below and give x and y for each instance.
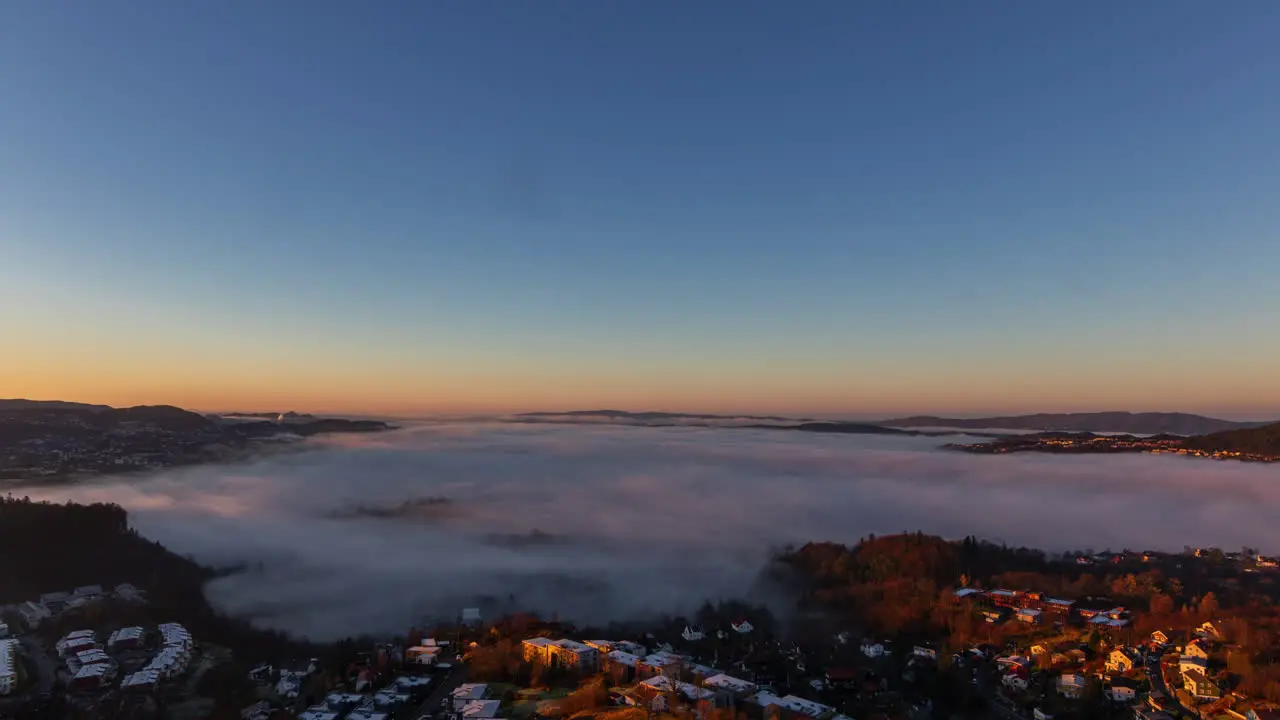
(1209, 605)
(1161, 605)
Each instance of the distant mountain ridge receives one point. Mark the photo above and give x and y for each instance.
(655, 416)
(24, 404)
(1148, 423)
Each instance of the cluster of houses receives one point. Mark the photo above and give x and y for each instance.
(1125, 668)
(35, 612)
(654, 678)
(1035, 608)
(176, 649)
(92, 666)
(379, 705)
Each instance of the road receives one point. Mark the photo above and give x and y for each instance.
(46, 667)
(444, 686)
(1155, 674)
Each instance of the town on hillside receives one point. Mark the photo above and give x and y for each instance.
(902, 627)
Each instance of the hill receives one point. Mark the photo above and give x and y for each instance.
(645, 417)
(1107, 422)
(21, 404)
(1263, 441)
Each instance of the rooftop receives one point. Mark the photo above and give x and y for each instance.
(470, 691)
(481, 709)
(727, 682)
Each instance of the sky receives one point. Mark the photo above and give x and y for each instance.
(835, 207)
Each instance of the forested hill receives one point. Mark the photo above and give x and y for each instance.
(48, 547)
(1122, 422)
(1264, 441)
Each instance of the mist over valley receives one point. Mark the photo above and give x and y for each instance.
(371, 533)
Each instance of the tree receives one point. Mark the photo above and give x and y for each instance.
(1209, 605)
(1161, 605)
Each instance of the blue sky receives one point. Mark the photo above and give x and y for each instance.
(826, 206)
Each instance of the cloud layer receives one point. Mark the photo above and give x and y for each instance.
(634, 520)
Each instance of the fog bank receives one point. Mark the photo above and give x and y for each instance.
(373, 533)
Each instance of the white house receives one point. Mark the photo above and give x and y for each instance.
(1160, 637)
(872, 649)
(8, 666)
(742, 626)
(1071, 685)
(1122, 660)
(693, 633)
(1196, 649)
(1122, 694)
(1014, 681)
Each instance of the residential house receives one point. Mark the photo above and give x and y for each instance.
(8, 666)
(1071, 685)
(318, 712)
(343, 701)
(1014, 681)
(693, 633)
(55, 600)
(1040, 714)
(1038, 650)
(1160, 637)
(873, 649)
(34, 613)
(1122, 660)
(1200, 686)
(422, 654)
(143, 681)
(797, 705)
(659, 663)
(844, 677)
(1028, 615)
(1196, 649)
(1122, 690)
(1210, 629)
(927, 653)
(1150, 714)
(75, 642)
(175, 635)
(568, 654)
(621, 666)
(742, 627)
(466, 692)
(125, 638)
(654, 691)
(1004, 598)
(1262, 714)
(1062, 609)
(480, 709)
(415, 685)
(1187, 663)
(91, 677)
(727, 687)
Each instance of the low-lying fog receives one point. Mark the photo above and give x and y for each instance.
(370, 533)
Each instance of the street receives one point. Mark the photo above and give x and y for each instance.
(445, 685)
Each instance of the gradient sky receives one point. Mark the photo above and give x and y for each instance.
(816, 207)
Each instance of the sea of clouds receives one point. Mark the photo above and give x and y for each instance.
(634, 520)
